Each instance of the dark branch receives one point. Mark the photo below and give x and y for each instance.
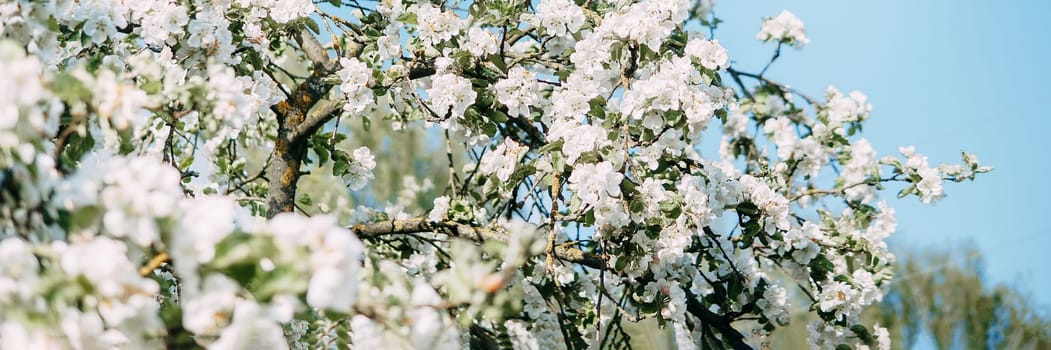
(466, 231)
(720, 323)
(736, 74)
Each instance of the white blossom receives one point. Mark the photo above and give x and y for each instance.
(481, 42)
(436, 25)
(162, 22)
(882, 337)
(359, 171)
(450, 95)
(862, 163)
(930, 184)
(521, 338)
(841, 108)
(647, 22)
(209, 31)
(501, 161)
(15, 335)
(19, 273)
(284, 11)
(518, 91)
(784, 28)
(335, 255)
(578, 138)
(838, 297)
(134, 194)
(355, 76)
(559, 17)
(208, 311)
(250, 329)
(440, 209)
(711, 55)
(775, 304)
(591, 182)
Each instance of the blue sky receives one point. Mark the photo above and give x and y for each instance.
(944, 76)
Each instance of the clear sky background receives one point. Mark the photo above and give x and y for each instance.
(944, 76)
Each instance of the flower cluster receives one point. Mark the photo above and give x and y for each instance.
(784, 28)
(558, 17)
(518, 91)
(160, 182)
(359, 170)
(501, 162)
(450, 95)
(930, 180)
(435, 24)
(355, 87)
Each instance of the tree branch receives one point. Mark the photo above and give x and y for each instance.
(466, 231)
(155, 262)
(418, 71)
(315, 51)
(510, 41)
(735, 73)
(290, 146)
(317, 117)
(720, 323)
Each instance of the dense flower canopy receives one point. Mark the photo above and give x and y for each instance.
(132, 216)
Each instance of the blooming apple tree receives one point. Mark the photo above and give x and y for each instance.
(133, 213)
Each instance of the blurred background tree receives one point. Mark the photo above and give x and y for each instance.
(941, 299)
(415, 164)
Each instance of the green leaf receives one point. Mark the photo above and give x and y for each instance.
(84, 217)
(907, 191)
(752, 228)
(69, 88)
(408, 17)
(342, 162)
(558, 162)
(551, 146)
(254, 59)
(735, 287)
(820, 267)
(497, 116)
(668, 206)
(598, 107)
(322, 155)
(636, 206)
(312, 25)
(152, 87)
(235, 249)
(76, 146)
(284, 279)
(748, 208)
(340, 167)
(622, 262)
(498, 62)
(185, 163)
(863, 334)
